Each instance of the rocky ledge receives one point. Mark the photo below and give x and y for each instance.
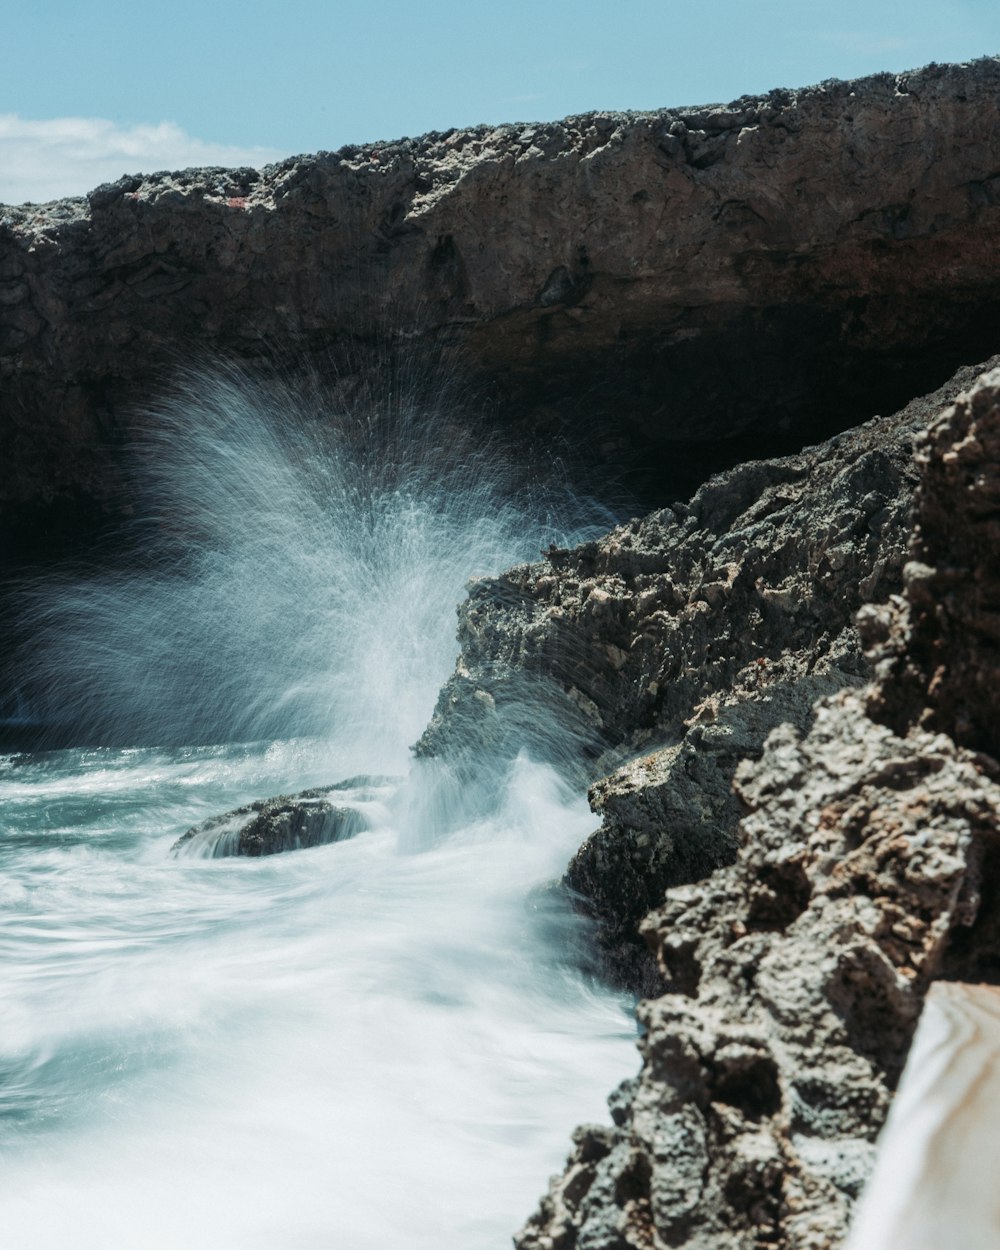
(867, 864)
(672, 646)
(660, 285)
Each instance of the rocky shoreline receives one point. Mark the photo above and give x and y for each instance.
(677, 642)
(780, 692)
(788, 857)
(864, 867)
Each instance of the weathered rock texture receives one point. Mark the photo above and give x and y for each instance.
(868, 865)
(939, 650)
(270, 826)
(768, 268)
(688, 636)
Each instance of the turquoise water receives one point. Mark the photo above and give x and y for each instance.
(384, 1042)
(378, 1042)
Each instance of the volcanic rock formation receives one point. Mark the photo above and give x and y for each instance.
(658, 283)
(867, 866)
(683, 639)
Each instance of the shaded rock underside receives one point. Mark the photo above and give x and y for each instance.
(671, 290)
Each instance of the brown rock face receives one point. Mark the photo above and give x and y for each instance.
(939, 659)
(684, 638)
(797, 977)
(869, 864)
(663, 281)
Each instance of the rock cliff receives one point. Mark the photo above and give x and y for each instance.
(781, 878)
(866, 866)
(676, 643)
(659, 285)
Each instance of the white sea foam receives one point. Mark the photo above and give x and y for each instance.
(384, 1041)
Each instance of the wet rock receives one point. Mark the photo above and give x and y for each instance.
(672, 646)
(670, 817)
(270, 826)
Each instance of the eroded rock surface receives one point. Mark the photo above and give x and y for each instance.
(797, 976)
(772, 268)
(869, 863)
(938, 651)
(687, 636)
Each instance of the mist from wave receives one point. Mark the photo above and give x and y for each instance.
(381, 1041)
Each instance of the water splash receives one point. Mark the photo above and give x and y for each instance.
(382, 1041)
(296, 566)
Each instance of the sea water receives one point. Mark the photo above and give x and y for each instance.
(381, 1042)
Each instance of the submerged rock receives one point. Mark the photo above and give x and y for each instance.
(867, 866)
(284, 823)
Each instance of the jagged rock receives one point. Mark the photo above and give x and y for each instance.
(671, 817)
(687, 636)
(284, 823)
(869, 864)
(653, 621)
(771, 268)
(797, 976)
(939, 649)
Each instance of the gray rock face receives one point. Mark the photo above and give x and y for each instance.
(796, 979)
(270, 826)
(686, 636)
(868, 864)
(770, 268)
(938, 650)
(671, 816)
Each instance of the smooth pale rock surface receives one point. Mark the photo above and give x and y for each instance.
(934, 1179)
(768, 269)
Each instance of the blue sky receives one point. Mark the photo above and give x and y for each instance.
(95, 88)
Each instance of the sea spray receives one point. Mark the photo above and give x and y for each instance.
(383, 1041)
(296, 562)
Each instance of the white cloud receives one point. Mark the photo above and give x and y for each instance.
(46, 160)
